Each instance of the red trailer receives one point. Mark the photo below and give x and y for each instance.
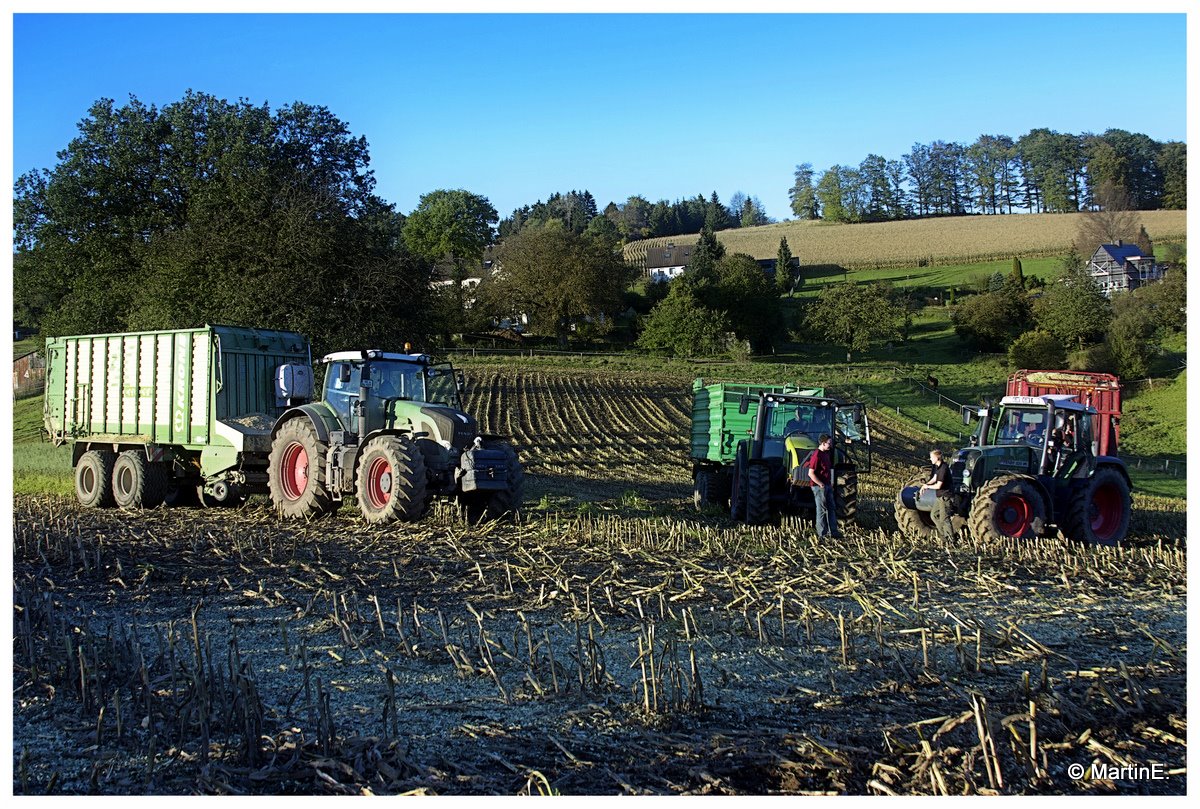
(1101, 391)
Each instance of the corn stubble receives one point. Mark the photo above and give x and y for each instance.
(633, 646)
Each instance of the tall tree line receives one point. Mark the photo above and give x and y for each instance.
(1042, 171)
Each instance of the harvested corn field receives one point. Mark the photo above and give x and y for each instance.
(614, 642)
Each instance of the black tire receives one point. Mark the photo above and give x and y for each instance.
(701, 484)
(913, 521)
(737, 488)
(137, 483)
(1007, 506)
(847, 494)
(391, 480)
(758, 494)
(296, 472)
(507, 503)
(93, 478)
(1099, 512)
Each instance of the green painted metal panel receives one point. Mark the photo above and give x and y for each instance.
(165, 387)
(717, 424)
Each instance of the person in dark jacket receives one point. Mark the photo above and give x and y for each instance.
(939, 481)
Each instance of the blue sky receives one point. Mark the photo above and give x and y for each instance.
(516, 107)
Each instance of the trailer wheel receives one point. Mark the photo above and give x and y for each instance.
(391, 480)
(296, 472)
(93, 479)
(137, 483)
(913, 521)
(758, 494)
(1099, 512)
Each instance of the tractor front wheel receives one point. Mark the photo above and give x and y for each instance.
(847, 494)
(391, 480)
(1007, 506)
(1099, 513)
(296, 474)
(758, 494)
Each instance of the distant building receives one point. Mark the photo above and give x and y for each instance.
(29, 375)
(667, 262)
(1121, 267)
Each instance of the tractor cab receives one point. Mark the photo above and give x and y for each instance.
(371, 390)
(1031, 435)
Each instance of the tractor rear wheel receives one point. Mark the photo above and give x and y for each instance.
(758, 494)
(391, 480)
(93, 478)
(847, 494)
(296, 473)
(913, 521)
(138, 483)
(1099, 513)
(1007, 506)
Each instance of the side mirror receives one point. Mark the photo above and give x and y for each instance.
(966, 416)
(744, 405)
(460, 381)
(344, 374)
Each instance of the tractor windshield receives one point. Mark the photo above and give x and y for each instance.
(808, 420)
(1021, 425)
(398, 380)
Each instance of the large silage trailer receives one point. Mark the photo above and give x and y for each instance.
(165, 415)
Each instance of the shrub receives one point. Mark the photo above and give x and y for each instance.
(1037, 349)
(1094, 358)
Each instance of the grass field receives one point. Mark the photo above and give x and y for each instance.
(919, 242)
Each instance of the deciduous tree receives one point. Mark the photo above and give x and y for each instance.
(855, 316)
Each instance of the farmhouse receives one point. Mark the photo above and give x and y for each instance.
(667, 262)
(1121, 267)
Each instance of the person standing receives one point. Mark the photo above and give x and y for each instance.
(939, 481)
(820, 474)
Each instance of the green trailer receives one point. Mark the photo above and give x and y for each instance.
(749, 440)
(163, 415)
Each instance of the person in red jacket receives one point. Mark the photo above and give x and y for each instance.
(820, 474)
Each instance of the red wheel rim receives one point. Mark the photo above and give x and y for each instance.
(294, 471)
(379, 482)
(1107, 509)
(1014, 516)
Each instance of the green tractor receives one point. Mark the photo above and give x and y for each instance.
(1031, 470)
(390, 429)
(749, 442)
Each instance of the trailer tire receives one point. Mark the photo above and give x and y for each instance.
(136, 482)
(93, 478)
(1099, 512)
(391, 480)
(296, 472)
